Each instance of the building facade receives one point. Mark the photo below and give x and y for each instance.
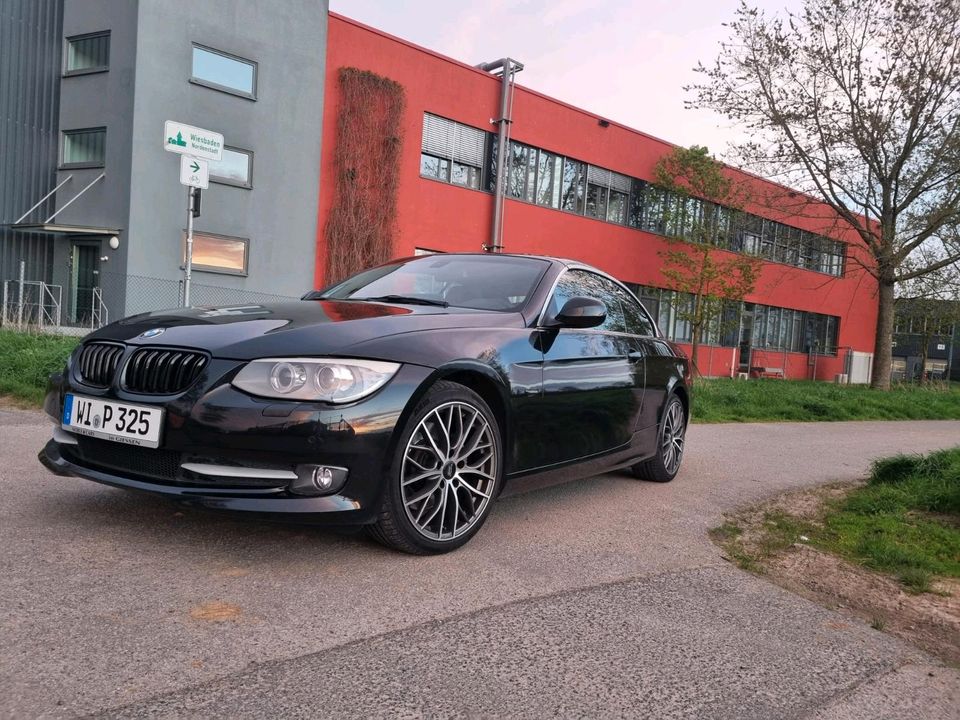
(926, 340)
(579, 186)
(413, 137)
(103, 76)
(30, 32)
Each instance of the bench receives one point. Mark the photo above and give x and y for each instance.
(767, 372)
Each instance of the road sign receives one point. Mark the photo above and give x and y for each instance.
(194, 172)
(189, 140)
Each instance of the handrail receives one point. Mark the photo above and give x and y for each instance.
(99, 313)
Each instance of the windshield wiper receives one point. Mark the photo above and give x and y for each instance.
(409, 300)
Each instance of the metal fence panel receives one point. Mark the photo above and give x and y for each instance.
(116, 296)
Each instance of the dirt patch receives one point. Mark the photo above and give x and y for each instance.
(768, 539)
(215, 611)
(8, 402)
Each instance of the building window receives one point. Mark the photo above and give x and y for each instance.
(452, 152)
(222, 71)
(463, 155)
(219, 253)
(573, 186)
(88, 53)
(235, 167)
(608, 194)
(520, 159)
(435, 167)
(773, 328)
(548, 179)
(84, 148)
(596, 201)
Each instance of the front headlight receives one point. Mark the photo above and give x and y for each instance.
(324, 379)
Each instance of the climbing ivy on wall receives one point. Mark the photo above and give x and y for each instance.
(361, 226)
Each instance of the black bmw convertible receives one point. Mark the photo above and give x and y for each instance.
(402, 398)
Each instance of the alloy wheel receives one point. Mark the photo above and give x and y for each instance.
(671, 442)
(449, 471)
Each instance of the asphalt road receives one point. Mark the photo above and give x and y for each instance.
(597, 598)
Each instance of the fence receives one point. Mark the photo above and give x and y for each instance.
(33, 303)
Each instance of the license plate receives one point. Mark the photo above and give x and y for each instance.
(131, 424)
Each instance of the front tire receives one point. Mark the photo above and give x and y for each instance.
(445, 474)
(671, 438)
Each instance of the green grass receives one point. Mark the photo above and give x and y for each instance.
(720, 400)
(27, 359)
(905, 521)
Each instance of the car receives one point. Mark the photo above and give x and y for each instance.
(402, 399)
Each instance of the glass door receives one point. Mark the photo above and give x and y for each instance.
(84, 277)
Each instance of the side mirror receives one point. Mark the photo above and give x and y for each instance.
(582, 312)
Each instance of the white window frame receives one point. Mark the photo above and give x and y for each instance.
(220, 180)
(225, 88)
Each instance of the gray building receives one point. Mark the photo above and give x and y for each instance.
(86, 86)
(926, 340)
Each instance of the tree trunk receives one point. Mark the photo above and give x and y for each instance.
(694, 351)
(695, 328)
(924, 351)
(883, 347)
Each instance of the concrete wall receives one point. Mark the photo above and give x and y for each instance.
(103, 99)
(282, 127)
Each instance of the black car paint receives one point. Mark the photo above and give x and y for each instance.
(571, 402)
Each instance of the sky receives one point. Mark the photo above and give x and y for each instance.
(621, 59)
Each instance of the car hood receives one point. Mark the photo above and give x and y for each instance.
(306, 327)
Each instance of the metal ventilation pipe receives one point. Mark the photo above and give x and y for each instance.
(508, 69)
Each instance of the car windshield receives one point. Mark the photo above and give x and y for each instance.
(494, 282)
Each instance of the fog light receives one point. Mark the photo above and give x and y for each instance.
(323, 478)
(318, 479)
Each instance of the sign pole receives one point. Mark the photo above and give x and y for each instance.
(188, 264)
(196, 147)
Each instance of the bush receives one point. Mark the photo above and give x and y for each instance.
(894, 469)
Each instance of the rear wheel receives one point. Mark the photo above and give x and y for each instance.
(445, 473)
(671, 437)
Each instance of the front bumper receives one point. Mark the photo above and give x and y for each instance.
(221, 425)
(274, 502)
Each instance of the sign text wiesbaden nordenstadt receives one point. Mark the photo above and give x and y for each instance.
(194, 141)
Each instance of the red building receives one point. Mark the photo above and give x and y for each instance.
(578, 188)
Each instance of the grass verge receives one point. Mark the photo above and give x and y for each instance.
(905, 521)
(27, 359)
(721, 400)
(887, 549)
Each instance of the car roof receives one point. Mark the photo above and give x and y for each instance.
(548, 258)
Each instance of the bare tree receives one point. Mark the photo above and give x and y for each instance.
(695, 261)
(858, 103)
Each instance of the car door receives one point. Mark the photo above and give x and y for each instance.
(592, 378)
(640, 327)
